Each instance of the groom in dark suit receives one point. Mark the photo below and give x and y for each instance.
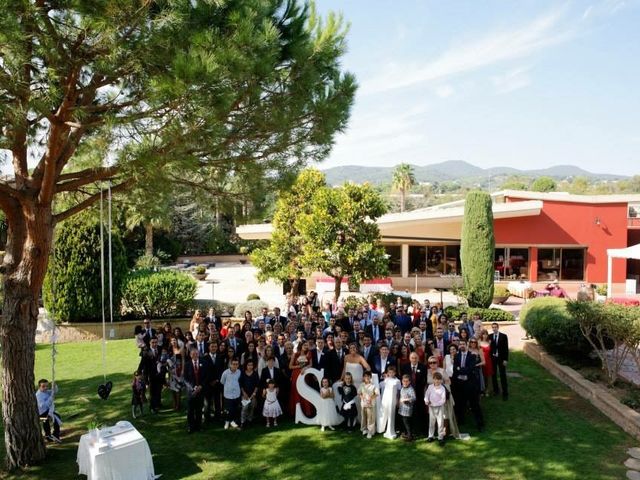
(499, 348)
(466, 385)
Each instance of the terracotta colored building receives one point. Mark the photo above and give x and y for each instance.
(539, 237)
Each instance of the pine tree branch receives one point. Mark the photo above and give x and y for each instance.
(84, 177)
(90, 201)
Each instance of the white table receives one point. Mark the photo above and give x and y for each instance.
(119, 453)
(520, 289)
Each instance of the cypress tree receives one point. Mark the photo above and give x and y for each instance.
(477, 250)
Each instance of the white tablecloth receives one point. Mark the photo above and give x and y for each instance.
(120, 453)
(519, 289)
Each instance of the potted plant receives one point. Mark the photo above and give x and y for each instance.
(200, 272)
(244, 250)
(500, 294)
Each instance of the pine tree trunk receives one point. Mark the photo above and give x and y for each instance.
(402, 200)
(148, 239)
(337, 289)
(24, 267)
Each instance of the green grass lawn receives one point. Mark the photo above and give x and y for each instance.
(543, 431)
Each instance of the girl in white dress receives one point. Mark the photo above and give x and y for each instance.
(327, 413)
(271, 409)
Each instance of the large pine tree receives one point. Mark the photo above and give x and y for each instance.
(143, 91)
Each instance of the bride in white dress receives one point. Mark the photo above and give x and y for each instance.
(355, 364)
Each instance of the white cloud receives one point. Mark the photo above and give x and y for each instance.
(444, 91)
(512, 80)
(493, 48)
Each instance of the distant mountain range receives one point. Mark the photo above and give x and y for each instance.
(457, 170)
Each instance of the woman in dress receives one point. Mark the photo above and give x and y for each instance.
(197, 323)
(477, 351)
(177, 333)
(175, 363)
(262, 360)
(487, 369)
(449, 359)
(188, 341)
(464, 335)
(298, 364)
(355, 364)
(449, 414)
(251, 353)
(403, 357)
(419, 349)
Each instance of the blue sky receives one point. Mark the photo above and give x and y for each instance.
(525, 83)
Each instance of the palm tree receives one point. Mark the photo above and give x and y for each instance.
(149, 210)
(403, 179)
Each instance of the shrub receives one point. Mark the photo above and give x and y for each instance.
(72, 286)
(200, 270)
(147, 262)
(477, 249)
(253, 296)
(158, 294)
(354, 302)
(602, 289)
(254, 306)
(500, 291)
(488, 315)
(550, 323)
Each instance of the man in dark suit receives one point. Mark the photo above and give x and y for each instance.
(369, 350)
(154, 376)
(466, 385)
(382, 361)
(148, 331)
(201, 344)
(195, 376)
(271, 372)
(450, 334)
(213, 318)
(318, 356)
(376, 330)
(236, 344)
(499, 348)
(214, 366)
(278, 318)
(426, 331)
(418, 374)
(335, 361)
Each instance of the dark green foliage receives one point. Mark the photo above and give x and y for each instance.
(477, 249)
(549, 322)
(488, 315)
(73, 283)
(158, 294)
(253, 296)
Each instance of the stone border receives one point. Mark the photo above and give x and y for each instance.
(623, 416)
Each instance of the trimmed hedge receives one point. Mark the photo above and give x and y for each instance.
(158, 294)
(488, 315)
(254, 306)
(72, 285)
(477, 249)
(550, 323)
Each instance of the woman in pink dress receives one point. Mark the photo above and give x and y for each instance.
(299, 363)
(487, 368)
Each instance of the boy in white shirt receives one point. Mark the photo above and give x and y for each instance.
(44, 397)
(368, 393)
(435, 397)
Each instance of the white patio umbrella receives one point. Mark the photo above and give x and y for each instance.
(629, 252)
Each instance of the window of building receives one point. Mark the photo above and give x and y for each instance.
(561, 264)
(452, 263)
(435, 260)
(395, 259)
(511, 263)
(417, 259)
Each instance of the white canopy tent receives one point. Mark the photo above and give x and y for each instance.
(629, 252)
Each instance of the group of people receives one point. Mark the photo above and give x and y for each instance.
(405, 362)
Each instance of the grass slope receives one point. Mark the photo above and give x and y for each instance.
(544, 431)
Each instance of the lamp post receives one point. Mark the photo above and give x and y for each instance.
(212, 283)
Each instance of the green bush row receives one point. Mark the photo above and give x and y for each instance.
(158, 294)
(548, 320)
(488, 315)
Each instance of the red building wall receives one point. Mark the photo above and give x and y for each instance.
(564, 224)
